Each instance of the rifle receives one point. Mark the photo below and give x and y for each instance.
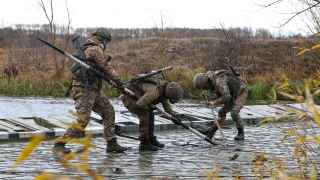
(177, 121)
(83, 64)
(147, 75)
(125, 90)
(234, 72)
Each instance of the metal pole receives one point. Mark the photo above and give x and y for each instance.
(216, 121)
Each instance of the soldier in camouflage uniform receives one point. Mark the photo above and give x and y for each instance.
(86, 92)
(151, 92)
(230, 91)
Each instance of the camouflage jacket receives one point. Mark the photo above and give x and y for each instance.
(226, 87)
(151, 92)
(94, 55)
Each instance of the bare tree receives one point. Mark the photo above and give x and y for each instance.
(310, 5)
(49, 14)
(50, 18)
(68, 33)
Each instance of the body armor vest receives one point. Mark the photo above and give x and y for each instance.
(85, 77)
(137, 87)
(235, 84)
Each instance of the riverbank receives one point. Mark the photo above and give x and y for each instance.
(259, 92)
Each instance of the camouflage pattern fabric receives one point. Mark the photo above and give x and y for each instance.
(87, 97)
(151, 94)
(85, 101)
(231, 92)
(95, 57)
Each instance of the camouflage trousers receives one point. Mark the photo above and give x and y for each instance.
(146, 118)
(86, 101)
(234, 110)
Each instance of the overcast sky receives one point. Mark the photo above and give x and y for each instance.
(147, 13)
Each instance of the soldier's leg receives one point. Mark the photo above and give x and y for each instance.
(235, 114)
(104, 108)
(146, 130)
(154, 139)
(84, 101)
(145, 127)
(222, 113)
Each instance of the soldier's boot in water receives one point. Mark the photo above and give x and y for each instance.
(211, 132)
(155, 142)
(146, 145)
(61, 148)
(114, 147)
(240, 135)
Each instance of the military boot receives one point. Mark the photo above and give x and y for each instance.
(240, 135)
(211, 132)
(61, 148)
(146, 145)
(113, 146)
(155, 142)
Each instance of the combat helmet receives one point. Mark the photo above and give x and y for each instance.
(200, 81)
(102, 34)
(173, 92)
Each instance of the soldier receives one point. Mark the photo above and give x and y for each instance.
(151, 92)
(86, 92)
(230, 91)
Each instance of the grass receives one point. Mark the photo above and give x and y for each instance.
(259, 91)
(28, 87)
(41, 88)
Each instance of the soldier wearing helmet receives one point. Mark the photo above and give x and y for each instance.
(151, 92)
(86, 92)
(230, 91)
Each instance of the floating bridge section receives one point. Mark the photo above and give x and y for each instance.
(22, 118)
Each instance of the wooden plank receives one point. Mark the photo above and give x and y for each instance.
(19, 124)
(31, 123)
(5, 129)
(12, 127)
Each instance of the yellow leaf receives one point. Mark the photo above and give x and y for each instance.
(213, 174)
(66, 158)
(302, 52)
(301, 140)
(86, 142)
(316, 92)
(45, 176)
(26, 152)
(291, 96)
(317, 139)
(292, 132)
(274, 94)
(317, 46)
(312, 107)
